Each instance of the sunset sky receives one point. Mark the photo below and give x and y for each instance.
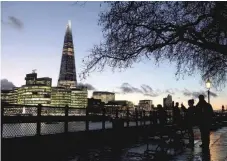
(32, 38)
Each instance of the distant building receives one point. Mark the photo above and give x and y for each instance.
(95, 105)
(119, 104)
(60, 96)
(9, 96)
(79, 97)
(146, 105)
(104, 96)
(167, 102)
(67, 74)
(35, 91)
(40, 91)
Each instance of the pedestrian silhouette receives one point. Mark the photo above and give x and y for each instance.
(190, 121)
(176, 114)
(205, 115)
(162, 116)
(222, 109)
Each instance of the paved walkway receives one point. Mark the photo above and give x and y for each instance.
(218, 149)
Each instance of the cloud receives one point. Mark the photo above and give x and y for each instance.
(186, 92)
(170, 91)
(127, 88)
(195, 94)
(6, 85)
(148, 91)
(89, 86)
(144, 89)
(13, 22)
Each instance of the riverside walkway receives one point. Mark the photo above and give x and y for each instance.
(125, 142)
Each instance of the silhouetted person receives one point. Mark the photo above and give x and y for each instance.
(205, 116)
(222, 109)
(162, 116)
(184, 111)
(190, 120)
(176, 114)
(154, 116)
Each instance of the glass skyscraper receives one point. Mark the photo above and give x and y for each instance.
(67, 75)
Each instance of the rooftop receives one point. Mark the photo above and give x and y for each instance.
(102, 92)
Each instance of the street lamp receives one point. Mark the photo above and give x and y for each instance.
(208, 85)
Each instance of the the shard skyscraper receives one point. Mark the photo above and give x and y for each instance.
(67, 75)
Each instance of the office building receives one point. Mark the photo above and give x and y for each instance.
(79, 97)
(60, 96)
(119, 104)
(35, 91)
(104, 96)
(67, 74)
(95, 105)
(167, 101)
(145, 105)
(9, 96)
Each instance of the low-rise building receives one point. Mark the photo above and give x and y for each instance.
(9, 96)
(95, 105)
(79, 97)
(60, 96)
(35, 91)
(119, 104)
(104, 96)
(146, 105)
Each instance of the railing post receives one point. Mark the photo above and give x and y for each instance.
(144, 120)
(66, 118)
(87, 120)
(2, 115)
(103, 118)
(136, 113)
(117, 114)
(141, 117)
(38, 123)
(127, 117)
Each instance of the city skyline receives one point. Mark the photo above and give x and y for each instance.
(43, 52)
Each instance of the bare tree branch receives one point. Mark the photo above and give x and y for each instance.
(192, 34)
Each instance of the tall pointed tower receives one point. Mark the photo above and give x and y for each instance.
(67, 75)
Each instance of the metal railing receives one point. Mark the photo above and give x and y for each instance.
(27, 120)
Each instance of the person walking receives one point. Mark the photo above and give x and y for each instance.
(205, 115)
(176, 115)
(190, 120)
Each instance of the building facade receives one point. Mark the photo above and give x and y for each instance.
(167, 101)
(35, 91)
(79, 97)
(104, 96)
(95, 105)
(9, 96)
(111, 106)
(146, 105)
(60, 96)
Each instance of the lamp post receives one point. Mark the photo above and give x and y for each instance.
(208, 85)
